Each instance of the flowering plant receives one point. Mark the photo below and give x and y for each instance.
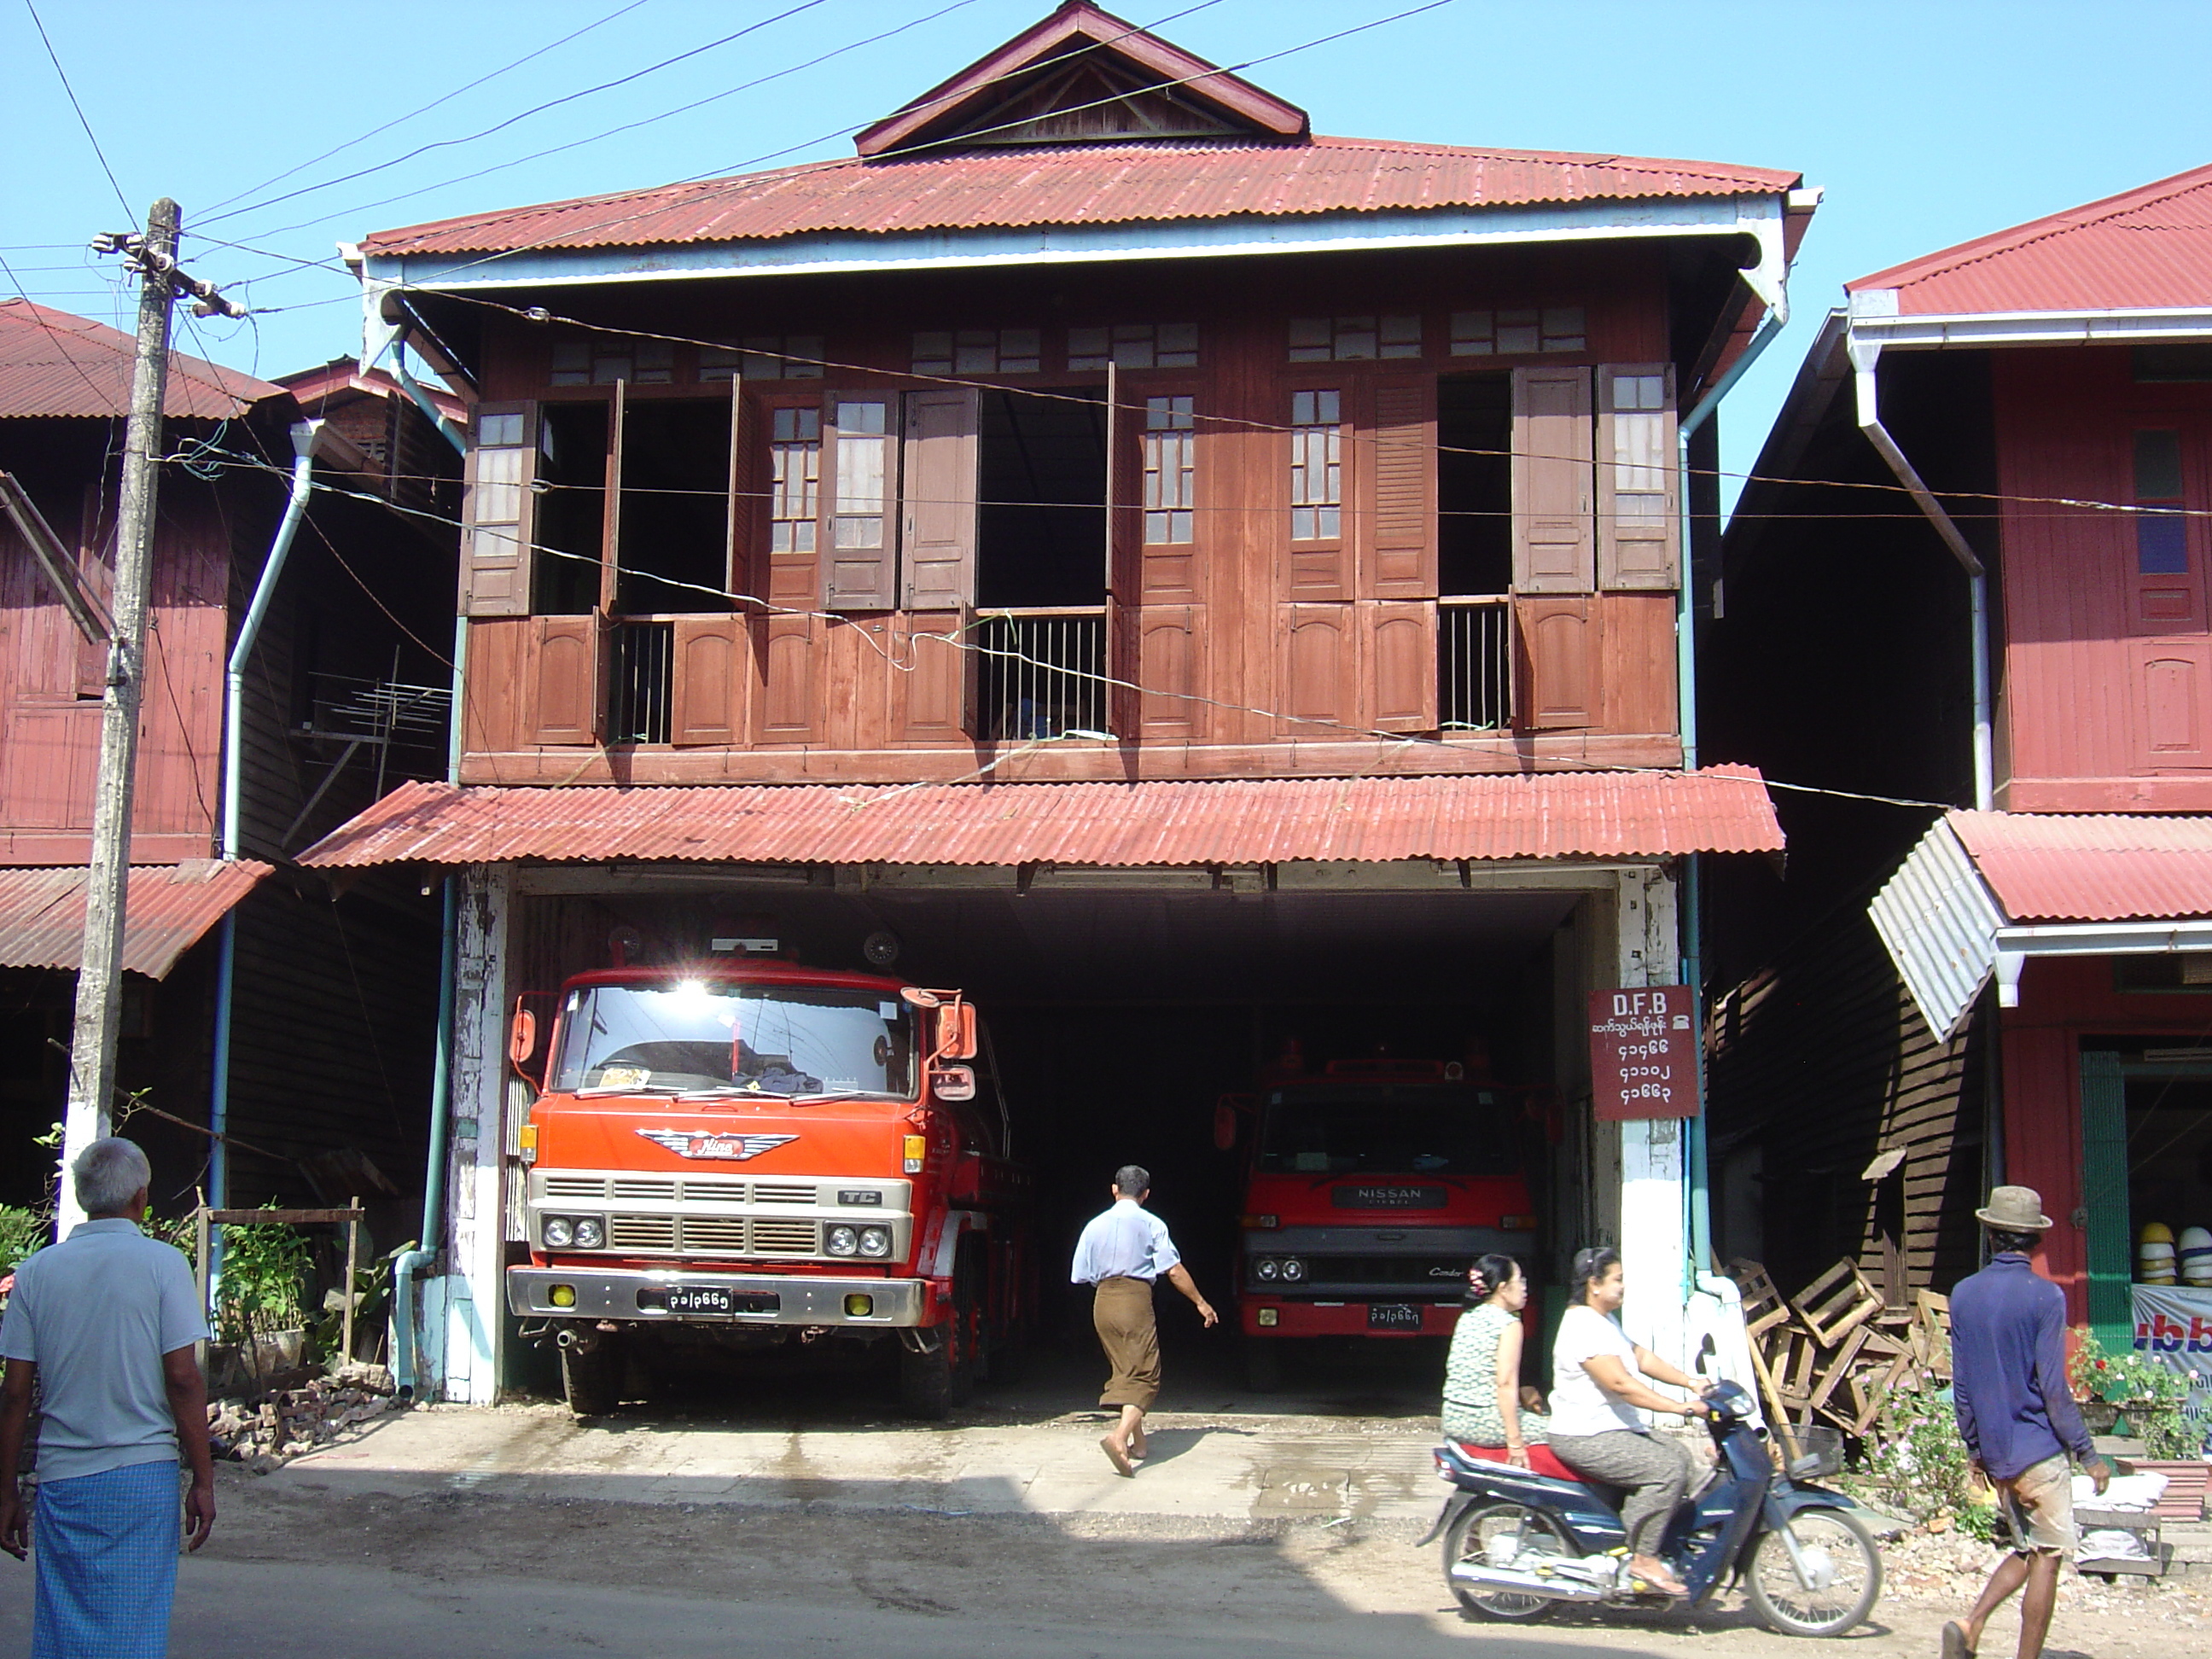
(2152, 1395)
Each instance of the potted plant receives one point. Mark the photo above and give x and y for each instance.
(2131, 1391)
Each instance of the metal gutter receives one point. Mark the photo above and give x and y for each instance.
(1874, 317)
(406, 1369)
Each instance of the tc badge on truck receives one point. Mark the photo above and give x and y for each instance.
(735, 1148)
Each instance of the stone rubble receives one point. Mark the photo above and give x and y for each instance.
(265, 1434)
(1949, 1568)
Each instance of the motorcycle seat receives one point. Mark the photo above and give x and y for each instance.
(1540, 1460)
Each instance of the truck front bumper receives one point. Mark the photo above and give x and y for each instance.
(1341, 1318)
(759, 1298)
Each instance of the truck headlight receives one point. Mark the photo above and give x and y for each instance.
(590, 1232)
(842, 1241)
(1267, 1269)
(560, 1232)
(1293, 1269)
(875, 1241)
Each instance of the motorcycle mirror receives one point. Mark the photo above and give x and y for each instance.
(1706, 1352)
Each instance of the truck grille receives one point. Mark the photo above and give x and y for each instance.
(784, 1238)
(722, 1233)
(770, 1192)
(1400, 1274)
(642, 1232)
(699, 1190)
(591, 1186)
(648, 1188)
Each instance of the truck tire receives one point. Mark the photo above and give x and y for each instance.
(591, 1380)
(933, 1381)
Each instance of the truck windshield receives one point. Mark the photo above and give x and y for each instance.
(1386, 1132)
(698, 1036)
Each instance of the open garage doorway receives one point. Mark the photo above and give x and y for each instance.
(1124, 1008)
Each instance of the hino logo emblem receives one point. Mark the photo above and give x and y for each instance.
(734, 1148)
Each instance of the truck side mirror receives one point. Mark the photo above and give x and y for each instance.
(956, 1031)
(523, 1034)
(953, 1083)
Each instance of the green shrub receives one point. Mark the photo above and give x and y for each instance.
(263, 1281)
(2151, 1395)
(22, 1231)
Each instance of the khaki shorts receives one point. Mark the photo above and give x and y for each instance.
(2038, 1503)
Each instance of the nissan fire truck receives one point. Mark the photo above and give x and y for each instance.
(1370, 1187)
(737, 1154)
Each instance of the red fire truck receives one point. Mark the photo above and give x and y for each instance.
(1370, 1186)
(736, 1154)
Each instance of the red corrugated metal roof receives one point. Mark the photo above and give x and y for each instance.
(1079, 185)
(1245, 821)
(168, 907)
(2149, 248)
(53, 363)
(2109, 867)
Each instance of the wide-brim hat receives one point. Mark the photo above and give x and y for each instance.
(2014, 1210)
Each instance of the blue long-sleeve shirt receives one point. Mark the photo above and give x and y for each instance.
(2009, 1369)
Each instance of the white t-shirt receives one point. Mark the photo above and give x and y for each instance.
(95, 1313)
(1579, 1404)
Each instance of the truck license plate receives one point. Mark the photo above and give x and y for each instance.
(1392, 1317)
(699, 1299)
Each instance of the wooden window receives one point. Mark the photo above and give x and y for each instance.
(860, 490)
(1353, 339)
(1134, 345)
(604, 358)
(1637, 508)
(2161, 532)
(979, 351)
(1170, 470)
(1316, 466)
(795, 479)
(1523, 332)
(1553, 509)
(1399, 559)
(764, 357)
(496, 566)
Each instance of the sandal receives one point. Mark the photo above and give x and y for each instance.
(1954, 1642)
(1118, 1456)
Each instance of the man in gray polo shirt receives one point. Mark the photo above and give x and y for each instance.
(105, 1322)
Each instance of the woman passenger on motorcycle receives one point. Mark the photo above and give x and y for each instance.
(1594, 1430)
(1484, 1403)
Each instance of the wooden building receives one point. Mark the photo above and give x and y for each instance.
(1972, 575)
(1095, 422)
(331, 1002)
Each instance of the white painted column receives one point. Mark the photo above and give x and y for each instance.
(471, 1312)
(1654, 1244)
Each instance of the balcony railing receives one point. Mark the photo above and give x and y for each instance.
(1041, 673)
(644, 667)
(1474, 663)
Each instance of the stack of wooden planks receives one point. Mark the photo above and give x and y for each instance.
(1836, 1352)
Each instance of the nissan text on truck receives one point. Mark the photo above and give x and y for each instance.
(735, 1154)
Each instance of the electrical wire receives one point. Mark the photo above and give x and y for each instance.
(54, 58)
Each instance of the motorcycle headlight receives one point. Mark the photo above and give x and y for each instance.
(875, 1241)
(842, 1241)
(1293, 1269)
(590, 1232)
(1267, 1269)
(560, 1232)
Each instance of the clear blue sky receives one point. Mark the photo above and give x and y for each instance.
(1927, 123)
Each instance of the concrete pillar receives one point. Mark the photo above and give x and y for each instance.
(1655, 1245)
(469, 1312)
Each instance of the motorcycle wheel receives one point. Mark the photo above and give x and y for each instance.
(1468, 1540)
(1846, 1564)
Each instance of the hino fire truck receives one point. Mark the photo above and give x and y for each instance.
(1370, 1187)
(736, 1154)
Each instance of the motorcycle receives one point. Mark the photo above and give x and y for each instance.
(1521, 1542)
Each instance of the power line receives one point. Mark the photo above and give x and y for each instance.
(54, 58)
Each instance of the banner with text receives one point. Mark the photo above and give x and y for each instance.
(1643, 1061)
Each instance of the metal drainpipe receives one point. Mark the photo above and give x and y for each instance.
(305, 436)
(1865, 355)
(1698, 1195)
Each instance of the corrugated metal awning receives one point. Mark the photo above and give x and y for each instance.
(1983, 891)
(1637, 815)
(169, 907)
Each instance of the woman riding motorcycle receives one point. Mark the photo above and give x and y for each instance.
(1484, 1404)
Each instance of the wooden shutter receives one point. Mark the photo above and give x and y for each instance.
(785, 665)
(1553, 538)
(1317, 695)
(1401, 561)
(1639, 508)
(858, 541)
(610, 548)
(933, 697)
(495, 552)
(2170, 680)
(568, 688)
(1556, 680)
(1401, 665)
(707, 694)
(1328, 455)
(937, 541)
(1170, 667)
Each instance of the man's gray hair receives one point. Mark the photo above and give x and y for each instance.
(1133, 1181)
(107, 1173)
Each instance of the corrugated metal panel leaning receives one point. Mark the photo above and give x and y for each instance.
(169, 908)
(1939, 925)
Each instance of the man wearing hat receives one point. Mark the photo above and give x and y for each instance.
(2017, 1416)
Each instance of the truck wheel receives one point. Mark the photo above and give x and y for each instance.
(591, 1380)
(932, 1382)
(1263, 1365)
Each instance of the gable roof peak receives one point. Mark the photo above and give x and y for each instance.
(1084, 75)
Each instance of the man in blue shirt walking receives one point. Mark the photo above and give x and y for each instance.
(1121, 1253)
(2017, 1416)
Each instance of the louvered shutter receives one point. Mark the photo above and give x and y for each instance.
(1402, 514)
(1638, 510)
(858, 543)
(495, 562)
(938, 537)
(1553, 541)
